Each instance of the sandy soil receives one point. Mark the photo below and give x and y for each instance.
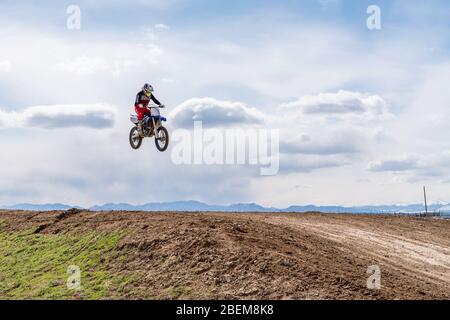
(267, 256)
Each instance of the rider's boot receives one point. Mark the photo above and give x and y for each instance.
(139, 129)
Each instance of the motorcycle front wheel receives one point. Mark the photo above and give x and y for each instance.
(135, 138)
(162, 139)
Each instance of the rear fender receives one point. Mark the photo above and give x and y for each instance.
(134, 118)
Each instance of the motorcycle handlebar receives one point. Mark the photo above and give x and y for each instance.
(156, 106)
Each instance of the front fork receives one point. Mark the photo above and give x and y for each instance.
(155, 129)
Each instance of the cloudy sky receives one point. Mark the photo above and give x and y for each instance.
(363, 114)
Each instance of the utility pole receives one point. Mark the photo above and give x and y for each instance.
(425, 197)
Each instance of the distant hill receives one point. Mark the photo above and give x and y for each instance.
(192, 205)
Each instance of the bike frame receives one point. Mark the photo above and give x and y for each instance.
(156, 115)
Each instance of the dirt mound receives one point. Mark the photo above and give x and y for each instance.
(262, 256)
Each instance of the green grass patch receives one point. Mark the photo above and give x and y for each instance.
(35, 266)
(179, 292)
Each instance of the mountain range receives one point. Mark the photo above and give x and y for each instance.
(192, 205)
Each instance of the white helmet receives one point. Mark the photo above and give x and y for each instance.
(148, 89)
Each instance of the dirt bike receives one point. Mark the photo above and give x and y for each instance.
(151, 127)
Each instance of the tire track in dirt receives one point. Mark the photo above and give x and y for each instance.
(419, 259)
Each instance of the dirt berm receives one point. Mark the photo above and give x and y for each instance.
(138, 255)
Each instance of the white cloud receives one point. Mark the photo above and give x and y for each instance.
(98, 116)
(327, 3)
(417, 167)
(5, 66)
(322, 131)
(215, 113)
(161, 26)
(84, 65)
(153, 4)
(403, 163)
(144, 54)
(428, 116)
(352, 105)
(342, 141)
(308, 163)
(331, 129)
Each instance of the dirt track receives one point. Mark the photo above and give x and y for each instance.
(265, 256)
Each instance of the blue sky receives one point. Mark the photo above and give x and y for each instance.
(281, 58)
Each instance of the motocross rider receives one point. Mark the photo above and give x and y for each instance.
(140, 106)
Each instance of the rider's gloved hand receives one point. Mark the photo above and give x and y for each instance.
(162, 106)
(140, 105)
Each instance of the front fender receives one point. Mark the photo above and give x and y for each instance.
(160, 118)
